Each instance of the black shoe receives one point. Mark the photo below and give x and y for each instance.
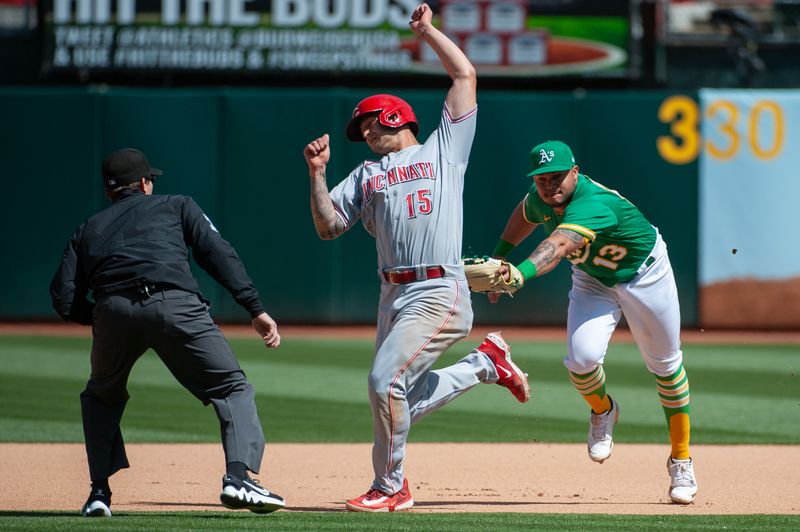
(98, 504)
(246, 494)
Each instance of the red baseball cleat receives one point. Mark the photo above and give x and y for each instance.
(496, 348)
(378, 501)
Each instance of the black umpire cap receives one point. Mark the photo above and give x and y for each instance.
(126, 166)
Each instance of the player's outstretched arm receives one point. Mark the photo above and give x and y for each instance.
(555, 247)
(461, 98)
(545, 257)
(317, 154)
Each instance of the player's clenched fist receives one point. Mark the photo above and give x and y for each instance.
(318, 152)
(421, 19)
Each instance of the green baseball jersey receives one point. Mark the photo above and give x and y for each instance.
(619, 237)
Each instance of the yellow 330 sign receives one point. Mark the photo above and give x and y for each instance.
(732, 129)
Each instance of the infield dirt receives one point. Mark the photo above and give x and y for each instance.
(444, 477)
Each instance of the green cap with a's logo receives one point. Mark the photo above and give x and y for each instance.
(551, 156)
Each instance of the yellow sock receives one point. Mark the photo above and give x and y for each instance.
(674, 394)
(592, 387)
(598, 404)
(679, 430)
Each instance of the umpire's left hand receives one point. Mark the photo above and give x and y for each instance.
(267, 329)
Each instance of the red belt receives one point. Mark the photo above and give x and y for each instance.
(409, 276)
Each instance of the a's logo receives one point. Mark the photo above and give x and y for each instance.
(546, 218)
(546, 156)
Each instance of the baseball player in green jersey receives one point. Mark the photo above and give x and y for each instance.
(619, 266)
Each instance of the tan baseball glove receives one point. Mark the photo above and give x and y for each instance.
(482, 275)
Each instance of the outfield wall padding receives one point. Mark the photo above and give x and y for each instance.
(238, 152)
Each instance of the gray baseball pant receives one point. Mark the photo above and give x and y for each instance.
(178, 327)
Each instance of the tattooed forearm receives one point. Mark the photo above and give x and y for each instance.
(557, 246)
(544, 256)
(327, 224)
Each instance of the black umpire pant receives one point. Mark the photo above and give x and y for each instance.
(177, 326)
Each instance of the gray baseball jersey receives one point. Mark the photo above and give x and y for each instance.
(410, 201)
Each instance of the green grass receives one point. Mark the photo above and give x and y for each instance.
(315, 391)
(456, 522)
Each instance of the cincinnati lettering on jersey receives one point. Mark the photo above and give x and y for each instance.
(396, 176)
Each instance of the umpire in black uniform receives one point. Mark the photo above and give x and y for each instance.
(134, 259)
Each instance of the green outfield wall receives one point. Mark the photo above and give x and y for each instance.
(238, 152)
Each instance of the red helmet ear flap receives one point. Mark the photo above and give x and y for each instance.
(392, 112)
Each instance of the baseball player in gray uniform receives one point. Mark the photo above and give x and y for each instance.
(410, 201)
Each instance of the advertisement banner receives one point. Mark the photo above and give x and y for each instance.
(501, 37)
(749, 189)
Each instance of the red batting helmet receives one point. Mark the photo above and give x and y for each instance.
(392, 112)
